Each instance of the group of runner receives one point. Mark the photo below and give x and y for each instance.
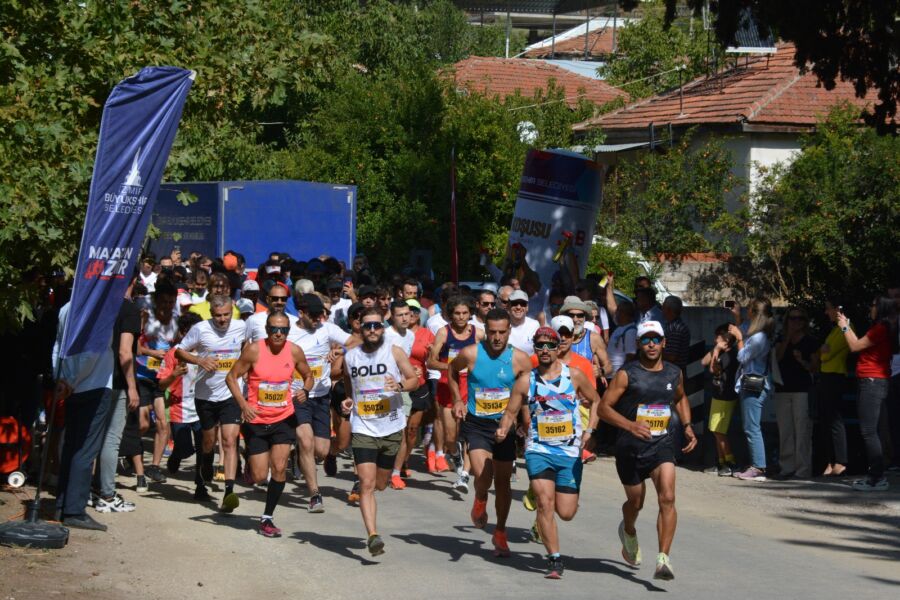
(473, 375)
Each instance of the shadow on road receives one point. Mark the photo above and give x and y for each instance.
(874, 536)
(338, 544)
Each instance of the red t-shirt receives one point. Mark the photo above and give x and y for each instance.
(424, 338)
(576, 361)
(875, 361)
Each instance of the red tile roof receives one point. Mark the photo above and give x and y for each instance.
(767, 91)
(600, 43)
(505, 76)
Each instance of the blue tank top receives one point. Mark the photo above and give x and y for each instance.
(453, 345)
(490, 382)
(583, 347)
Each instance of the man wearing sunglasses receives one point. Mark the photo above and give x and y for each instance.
(522, 327)
(267, 411)
(549, 402)
(494, 367)
(276, 301)
(217, 343)
(640, 401)
(375, 375)
(485, 300)
(585, 342)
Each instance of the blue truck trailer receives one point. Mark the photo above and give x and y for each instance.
(303, 218)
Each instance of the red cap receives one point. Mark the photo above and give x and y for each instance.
(545, 332)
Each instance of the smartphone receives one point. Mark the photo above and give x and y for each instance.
(729, 304)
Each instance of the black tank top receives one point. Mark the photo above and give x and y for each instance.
(648, 389)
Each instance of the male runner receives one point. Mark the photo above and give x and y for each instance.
(522, 327)
(585, 342)
(276, 301)
(549, 404)
(493, 368)
(375, 375)
(268, 411)
(218, 343)
(640, 401)
(399, 334)
(315, 336)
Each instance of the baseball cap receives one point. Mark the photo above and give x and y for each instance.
(334, 285)
(367, 290)
(650, 327)
(545, 332)
(312, 304)
(518, 295)
(230, 262)
(245, 305)
(562, 321)
(249, 286)
(414, 304)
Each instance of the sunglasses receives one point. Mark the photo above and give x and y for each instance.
(277, 298)
(371, 326)
(576, 315)
(519, 303)
(648, 340)
(489, 304)
(546, 345)
(271, 329)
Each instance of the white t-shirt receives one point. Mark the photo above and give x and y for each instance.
(435, 323)
(622, 342)
(405, 342)
(341, 305)
(520, 336)
(375, 412)
(256, 326)
(316, 345)
(478, 324)
(149, 282)
(224, 346)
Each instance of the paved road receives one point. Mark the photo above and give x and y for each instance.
(735, 540)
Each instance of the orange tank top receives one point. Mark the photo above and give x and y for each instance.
(269, 384)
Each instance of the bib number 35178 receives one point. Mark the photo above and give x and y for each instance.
(656, 416)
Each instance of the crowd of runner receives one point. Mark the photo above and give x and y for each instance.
(267, 374)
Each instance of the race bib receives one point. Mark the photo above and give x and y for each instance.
(317, 366)
(554, 426)
(656, 416)
(225, 359)
(273, 394)
(490, 402)
(153, 363)
(373, 404)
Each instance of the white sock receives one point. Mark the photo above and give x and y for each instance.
(395, 472)
(431, 447)
(440, 453)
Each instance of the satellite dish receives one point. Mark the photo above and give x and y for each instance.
(528, 133)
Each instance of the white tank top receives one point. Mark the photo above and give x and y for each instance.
(375, 412)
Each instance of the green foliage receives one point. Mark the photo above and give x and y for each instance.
(650, 50)
(828, 222)
(614, 258)
(671, 201)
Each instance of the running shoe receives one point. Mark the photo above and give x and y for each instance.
(353, 495)
(479, 513)
(871, 484)
(404, 471)
(155, 474)
(330, 465)
(316, 505)
(587, 457)
(663, 568)
(514, 478)
(555, 567)
(115, 504)
(501, 545)
(375, 544)
(440, 464)
(713, 470)
(536, 533)
(268, 529)
(229, 503)
(430, 462)
(752, 474)
(631, 550)
(726, 470)
(173, 464)
(397, 482)
(529, 501)
(167, 451)
(462, 483)
(202, 495)
(141, 486)
(220, 473)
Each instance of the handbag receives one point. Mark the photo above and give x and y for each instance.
(753, 384)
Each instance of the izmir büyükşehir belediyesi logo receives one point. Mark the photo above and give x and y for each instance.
(108, 262)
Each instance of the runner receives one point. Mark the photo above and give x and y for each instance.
(268, 412)
(399, 334)
(276, 301)
(640, 402)
(315, 336)
(549, 404)
(448, 343)
(376, 373)
(493, 367)
(587, 343)
(218, 342)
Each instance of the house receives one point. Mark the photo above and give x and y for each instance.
(600, 43)
(503, 77)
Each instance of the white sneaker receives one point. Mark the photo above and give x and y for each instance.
(870, 485)
(116, 504)
(462, 483)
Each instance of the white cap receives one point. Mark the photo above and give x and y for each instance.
(244, 306)
(561, 321)
(650, 327)
(250, 286)
(518, 295)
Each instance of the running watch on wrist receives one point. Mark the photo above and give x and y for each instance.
(589, 430)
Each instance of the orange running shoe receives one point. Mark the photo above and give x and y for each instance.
(587, 456)
(430, 461)
(397, 482)
(501, 546)
(353, 495)
(479, 513)
(440, 464)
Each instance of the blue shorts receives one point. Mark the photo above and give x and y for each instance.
(565, 471)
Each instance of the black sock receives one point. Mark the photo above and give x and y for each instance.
(273, 493)
(229, 486)
(205, 463)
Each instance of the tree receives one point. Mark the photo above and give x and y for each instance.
(846, 39)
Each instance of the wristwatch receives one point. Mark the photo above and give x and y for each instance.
(844, 329)
(589, 430)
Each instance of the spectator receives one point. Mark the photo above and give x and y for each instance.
(752, 382)
(796, 355)
(623, 342)
(873, 371)
(830, 391)
(678, 336)
(723, 364)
